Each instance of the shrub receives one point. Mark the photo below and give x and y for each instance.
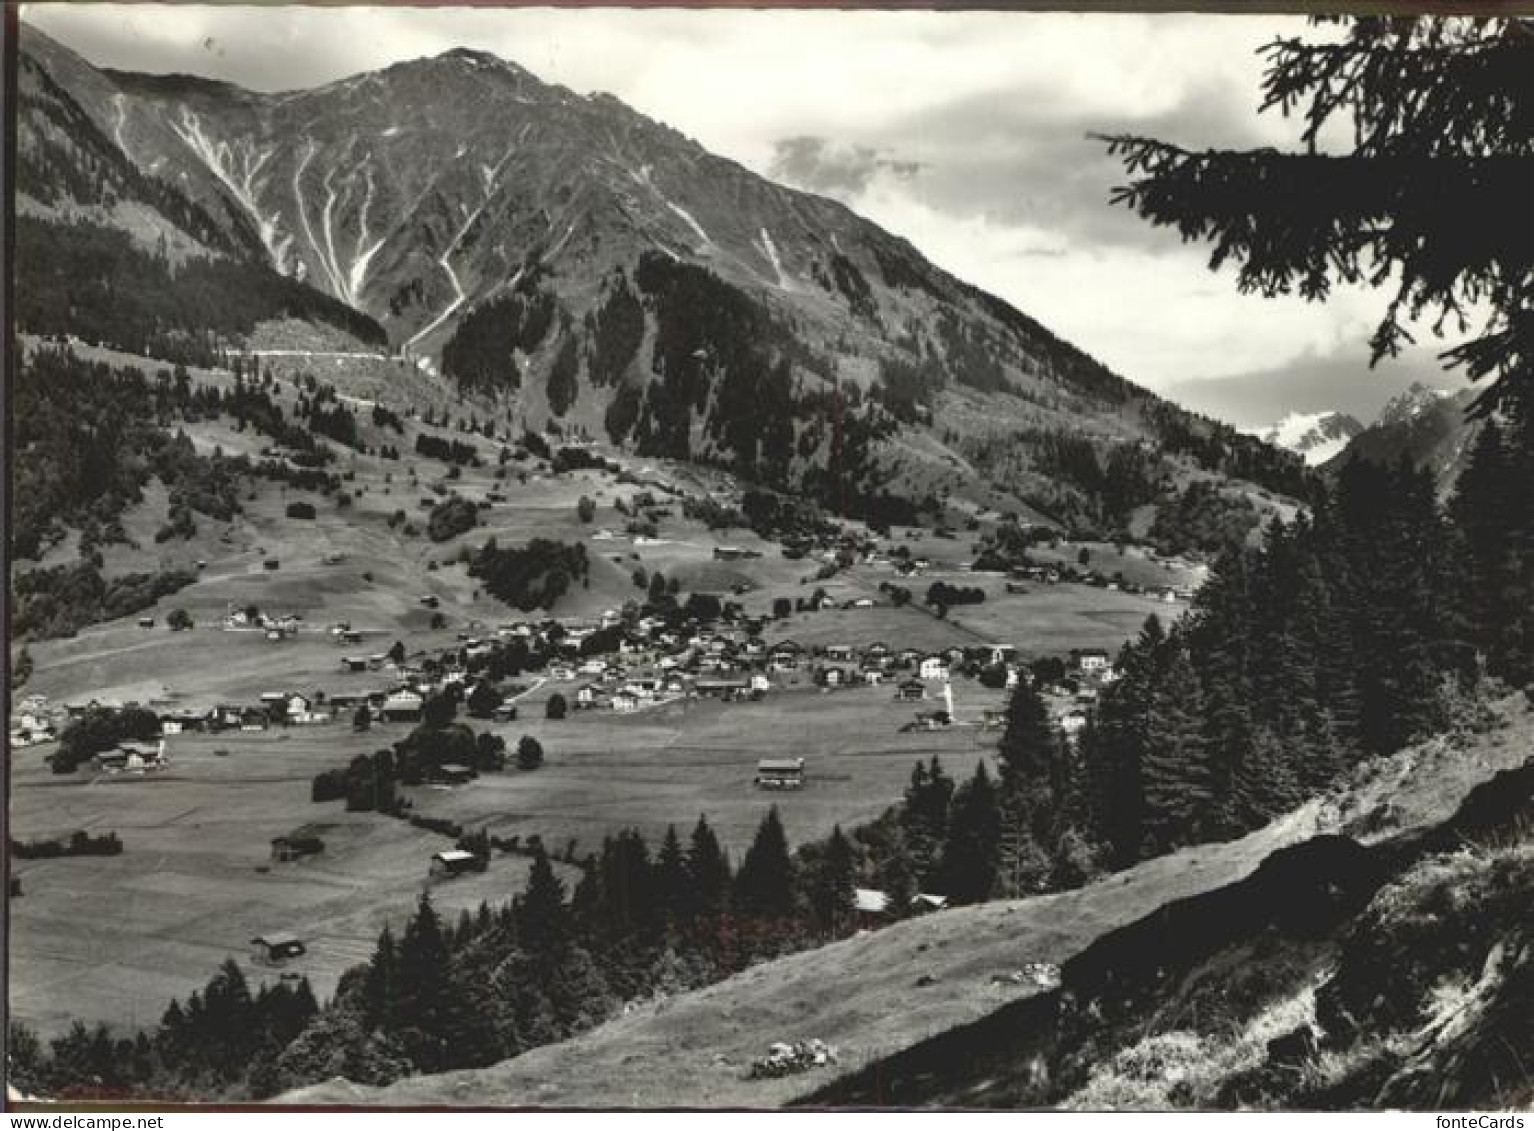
(529, 753)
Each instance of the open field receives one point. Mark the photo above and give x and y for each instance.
(115, 938)
(670, 763)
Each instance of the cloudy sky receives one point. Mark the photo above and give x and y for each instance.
(964, 132)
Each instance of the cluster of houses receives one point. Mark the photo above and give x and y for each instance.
(253, 620)
(33, 722)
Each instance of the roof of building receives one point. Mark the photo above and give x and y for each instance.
(870, 901)
(275, 940)
(781, 765)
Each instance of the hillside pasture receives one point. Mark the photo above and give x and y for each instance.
(115, 938)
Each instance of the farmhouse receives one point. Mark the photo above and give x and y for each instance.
(723, 688)
(271, 949)
(403, 707)
(871, 906)
(933, 667)
(834, 676)
(911, 689)
(452, 862)
(780, 773)
(1090, 659)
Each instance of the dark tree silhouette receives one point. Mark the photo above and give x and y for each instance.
(1431, 198)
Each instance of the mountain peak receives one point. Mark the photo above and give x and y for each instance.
(1408, 405)
(1317, 436)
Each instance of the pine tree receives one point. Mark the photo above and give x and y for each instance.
(709, 871)
(1427, 200)
(968, 869)
(542, 918)
(380, 987)
(764, 886)
(672, 882)
(835, 881)
(1174, 763)
(422, 996)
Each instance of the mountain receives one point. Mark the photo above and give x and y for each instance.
(1425, 425)
(564, 259)
(1315, 436)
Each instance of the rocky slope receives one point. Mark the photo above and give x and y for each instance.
(1425, 425)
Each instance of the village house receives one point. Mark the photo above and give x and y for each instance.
(271, 949)
(587, 694)
(1089, 660)
(780, 773)
(451, 862)
(182, 720)
(933, 668)
(722, 688)
(131, 756)
(403, 707)
(871, 907)
(910, 689)
(624, 701)
(832, 676)
(451, 773)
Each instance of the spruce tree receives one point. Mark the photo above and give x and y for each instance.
(764, 886)
(672, 884)
(835, 881)
(1178, 797)
(542, 918)
(968, 869)
(380, 986)
(709, 871)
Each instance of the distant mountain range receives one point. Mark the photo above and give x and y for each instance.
(1427, 425)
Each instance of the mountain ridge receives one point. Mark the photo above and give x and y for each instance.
(576, 263)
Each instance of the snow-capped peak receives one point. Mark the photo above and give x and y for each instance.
(1317, 436)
